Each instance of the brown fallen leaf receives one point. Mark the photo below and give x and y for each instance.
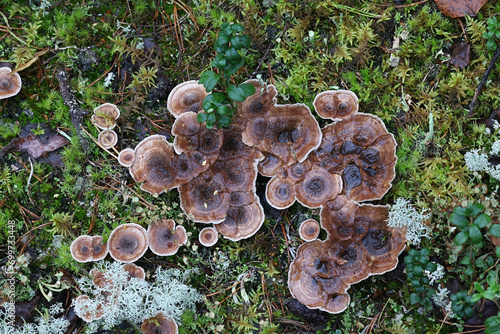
(460, 8)
(460, 53)
(34, 145)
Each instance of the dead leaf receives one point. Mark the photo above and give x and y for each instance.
(34, 145)
(460, 53)
(460, 8)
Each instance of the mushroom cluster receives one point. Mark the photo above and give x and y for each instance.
(88, 248)
(349, 161)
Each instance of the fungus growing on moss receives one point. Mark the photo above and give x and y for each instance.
(99, 248)
(333, 104)
(128, 242)
(107, 138)
(187, 96)
(165, 238)
(159, 324)
(309, 230)
(208, 236)
(105, 116)
(81, 248)
(242, 221)
(359, 244)
(126, 157)
(10, 84)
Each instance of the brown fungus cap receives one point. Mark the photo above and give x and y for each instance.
(134, 271)
(152, 165)
(81, 249)
(159, 324)
(259, 103)
(10, 84)
(128, 242)
(107, 138)
(83, 305)
(208, 236)
(100, 249)
(164, 238)
(126, 157)
(336, 104)
(317, 187)
(105, 116)
(204, 199)
(280, 193)
(289, 132)
(309, 230)
(242, 221)
(187, 96)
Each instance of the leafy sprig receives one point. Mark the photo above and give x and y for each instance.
(219, 106)
(493, 33)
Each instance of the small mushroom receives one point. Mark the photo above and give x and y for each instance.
(128, 242)
(160, 323)
(336, 104)
(280, 193)
(107, 138)
(100, 249)
(242, 221)
(164, 238)
(187, 96)
(105, 116)
(309, 230)
(134, 271)
(208, 236)
(81, 249)
(87, 309)
(126, 157)
(10, 84)
(317, 187)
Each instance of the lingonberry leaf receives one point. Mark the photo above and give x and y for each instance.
(209, 79)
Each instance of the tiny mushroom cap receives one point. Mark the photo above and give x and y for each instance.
(107, 138)
(309, 230)
(159, 324)
(242, 221)
(10, 84)
(81, 249)
(208, 236)
(128, 242)
(105, 116)
(134, 271)
(83, 305)
(280, 193)
(336, 104)
(126, 157)
(100, 249)
(164, 238)
(187, 96)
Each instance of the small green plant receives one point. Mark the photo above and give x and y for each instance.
(470, 221)
(219, 105)
(493, 290)
(492, 324)
(416, 263)
(493, 33)
(462, 304)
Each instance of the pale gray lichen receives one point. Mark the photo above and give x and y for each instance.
(133, 299)
(403, 215)
(49, 323)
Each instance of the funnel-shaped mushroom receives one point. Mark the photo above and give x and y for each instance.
(126, 157)
(159, 324)
(10, 84)
(208, 236)
(105, 116)
(336, 104)
(107, 138)
(164, 238)
(187, 96)
(153, 165)
(360, 149)
(309, 230)
(128, 242)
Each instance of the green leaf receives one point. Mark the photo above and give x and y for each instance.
(219, 61)
(214, 99)
(495, 230)
(225, 29)
(475, 297)
(497, 251)
(240, 42)
(209, 79)
(201, 117)
(232, 55)
(223, 110)
(232, 67)
(431, 266)
(482, 220)
(221, 44)
(224, 121)
(459, 220)
(211, 118)
(469, 271)
(475, 208)
(236, 93)
(489, 295)
(479, 288)
(466, 261)
(236, 27)
(414, 298)
(249, 89)
(461, 238)
(493, 321)
(475, 234)
(491, 280)
(466, 212)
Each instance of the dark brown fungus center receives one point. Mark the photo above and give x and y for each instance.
(5, 83)
(370, 155)
(315, 185)
(84, 249)
(376, 241)
(349, 147)
(127, 244)
(351, 177)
